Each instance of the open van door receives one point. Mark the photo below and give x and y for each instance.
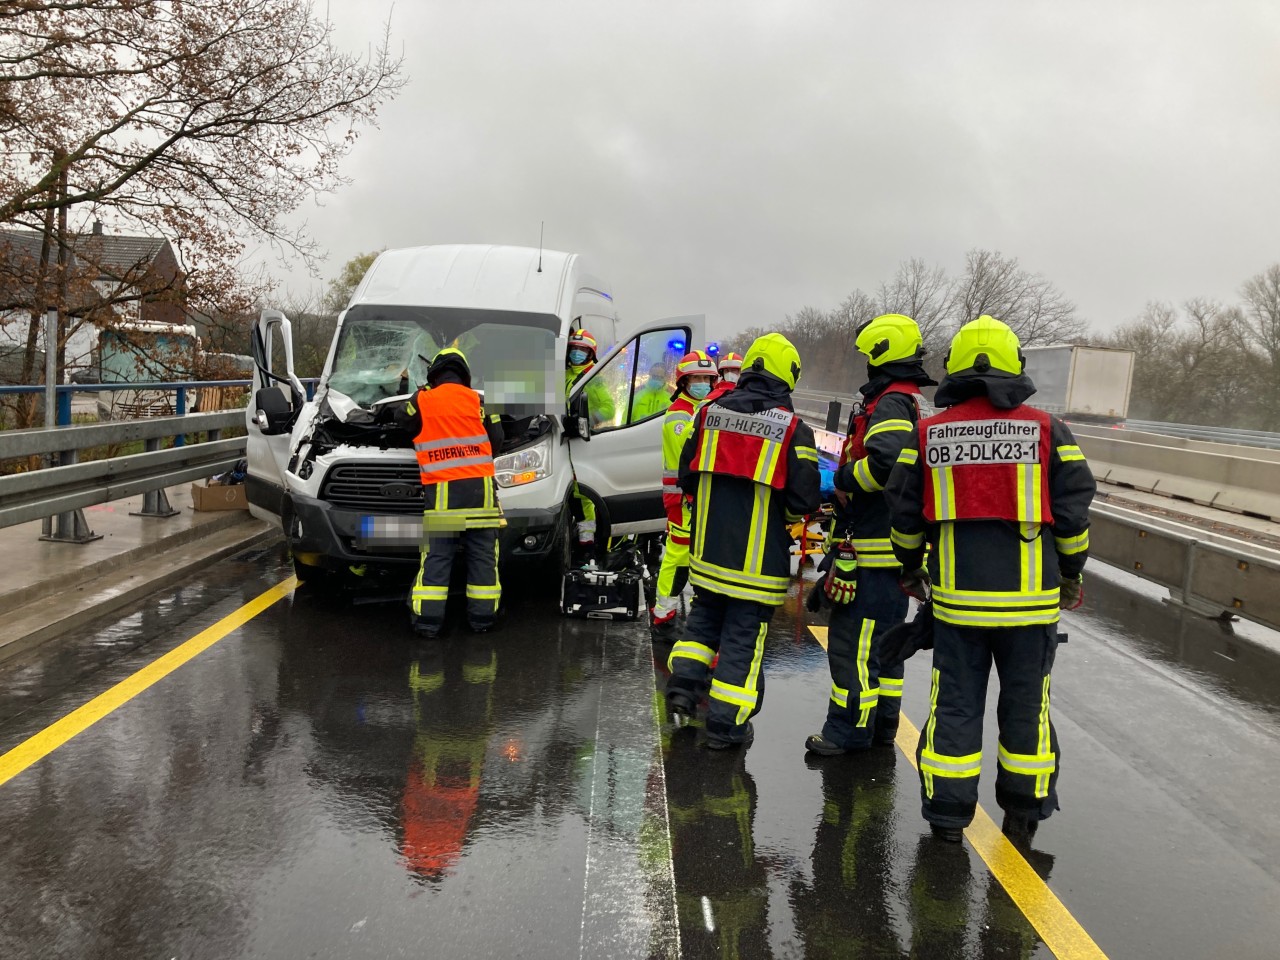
(275, 400)
(617, 451)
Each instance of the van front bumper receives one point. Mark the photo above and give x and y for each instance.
(323, 535)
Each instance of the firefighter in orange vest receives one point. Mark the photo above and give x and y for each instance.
(1002, 492)
(862, 580)
(751, 467)
(695, 374)
(455, 445)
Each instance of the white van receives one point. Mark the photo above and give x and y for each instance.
(340, 475)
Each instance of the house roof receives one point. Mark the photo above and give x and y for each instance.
(114, 253)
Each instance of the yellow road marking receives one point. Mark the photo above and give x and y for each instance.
(1059, 930)
(82, 718)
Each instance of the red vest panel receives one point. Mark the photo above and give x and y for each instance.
(984, 463)
(854, 444)
(748, 445)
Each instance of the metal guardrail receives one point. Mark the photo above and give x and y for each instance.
(1231, 435)
(66, 489)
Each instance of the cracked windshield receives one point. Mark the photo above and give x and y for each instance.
(385, 351)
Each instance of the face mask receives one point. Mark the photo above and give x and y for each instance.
(731, 376)
(699, 391)
(577, 357)
(656, 382)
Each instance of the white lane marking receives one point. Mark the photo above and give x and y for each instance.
(707, 916)
(591, 805)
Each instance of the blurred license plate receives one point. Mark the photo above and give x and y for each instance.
(390, 532)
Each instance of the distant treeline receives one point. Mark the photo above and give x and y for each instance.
(1204, 362)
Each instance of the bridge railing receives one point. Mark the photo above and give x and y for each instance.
(62, 486)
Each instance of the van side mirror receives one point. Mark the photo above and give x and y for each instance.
(273, 413)
(576, 423)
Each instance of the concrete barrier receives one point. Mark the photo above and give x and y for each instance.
(1235, 480)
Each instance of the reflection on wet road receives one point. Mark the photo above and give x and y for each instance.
(318, 784)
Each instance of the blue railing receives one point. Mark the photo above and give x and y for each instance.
(65, 390)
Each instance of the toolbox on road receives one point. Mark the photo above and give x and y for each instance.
(602, 594)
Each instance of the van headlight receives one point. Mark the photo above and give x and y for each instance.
(524, 466)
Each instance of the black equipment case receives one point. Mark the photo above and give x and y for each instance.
(603, 594)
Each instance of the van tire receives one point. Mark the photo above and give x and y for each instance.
(317, 580)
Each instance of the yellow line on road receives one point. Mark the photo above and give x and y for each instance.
(1059, 930)
(73, 724)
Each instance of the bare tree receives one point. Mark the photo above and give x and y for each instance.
(923, 293)
(1036, 310)
(205, 122)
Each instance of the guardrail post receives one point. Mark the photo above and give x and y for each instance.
(833, 416)
(70, 527)
(155, 503)
(180, 408)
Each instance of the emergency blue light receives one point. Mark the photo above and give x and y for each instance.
(713, 349)
(676, 344)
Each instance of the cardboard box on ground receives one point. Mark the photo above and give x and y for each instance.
(215, 496)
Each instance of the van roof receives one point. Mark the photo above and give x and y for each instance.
(477, 276)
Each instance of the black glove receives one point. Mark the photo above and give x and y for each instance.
(842, 580)
(813, 603)
(1071, 593)
(899, 643)
(917, 584)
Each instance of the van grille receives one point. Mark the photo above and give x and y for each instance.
(374, 487)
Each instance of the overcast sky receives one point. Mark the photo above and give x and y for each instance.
(746, 159)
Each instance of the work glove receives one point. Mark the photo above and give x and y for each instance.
(842, 578)
(813, 603)
(1071, 593)
(917, 585)
(900, 642)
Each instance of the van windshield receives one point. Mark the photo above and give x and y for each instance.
(512, 355)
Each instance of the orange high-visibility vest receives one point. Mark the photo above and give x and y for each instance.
(453, 444)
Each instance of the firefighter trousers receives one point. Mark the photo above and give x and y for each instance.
(431, 588)
(865, 699)
(673, 574)
(735, 629)
(950, 751)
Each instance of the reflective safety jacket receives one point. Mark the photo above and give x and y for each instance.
(675, 430)
(600, 405)
(751, 466)
(648, 401)
(1003, 495)
(877, 434)
(454, 447)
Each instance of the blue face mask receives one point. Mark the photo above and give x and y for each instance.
(657, 382)
(577, 357)
(699, 391)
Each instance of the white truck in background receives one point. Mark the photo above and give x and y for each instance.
(339, 475)
(1075, 382)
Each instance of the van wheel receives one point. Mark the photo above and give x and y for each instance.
(317, 580)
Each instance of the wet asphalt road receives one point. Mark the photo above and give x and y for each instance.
(319, 785)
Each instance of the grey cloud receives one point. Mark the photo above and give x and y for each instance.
(748, 159)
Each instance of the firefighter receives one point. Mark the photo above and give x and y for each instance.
(862, 582)
(751, 467)
(695, 375)
(578, 362)
(1002, 492)
(455, 446)
(730, 369)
